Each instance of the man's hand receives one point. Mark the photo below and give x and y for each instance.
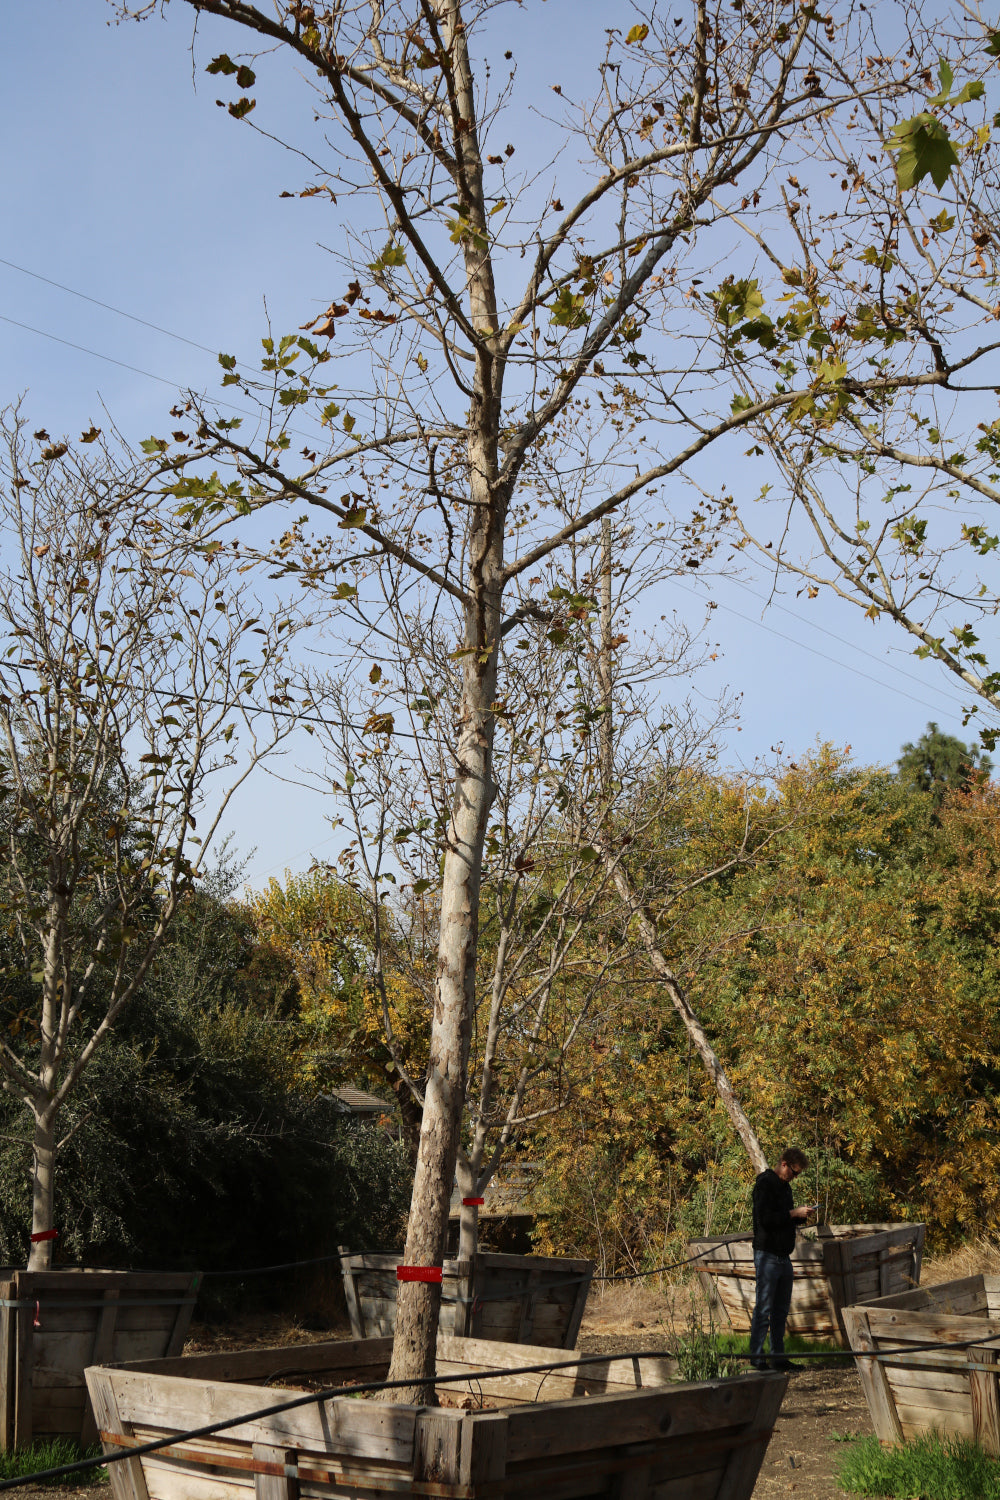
(805, 1211)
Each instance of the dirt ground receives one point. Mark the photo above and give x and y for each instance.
(821, 1409)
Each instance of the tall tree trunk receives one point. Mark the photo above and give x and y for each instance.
(43, 1105)
(606, 736)
(419, 1302)
(43, 1148)
(692, 1025)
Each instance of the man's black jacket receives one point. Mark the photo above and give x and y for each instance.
(773, 1225)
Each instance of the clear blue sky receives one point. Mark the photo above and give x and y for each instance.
(125, 183)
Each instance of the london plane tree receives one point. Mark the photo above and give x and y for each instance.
(489, 285)
(140, 684)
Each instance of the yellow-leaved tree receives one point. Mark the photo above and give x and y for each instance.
(848, 975)
(359, 1024)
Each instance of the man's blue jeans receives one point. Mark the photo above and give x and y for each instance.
(774, 1296)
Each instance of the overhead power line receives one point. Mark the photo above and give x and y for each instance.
(177, 386)
(56, 338)
(862, 651)
(108, 307)
(814, 651)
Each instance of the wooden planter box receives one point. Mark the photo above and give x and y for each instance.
(589, 1431)
(843, 1264)
(952, 1391)
(516, 1299)
(55, 1323)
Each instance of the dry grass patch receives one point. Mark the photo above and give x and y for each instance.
(621, 1306)
(979, 1257)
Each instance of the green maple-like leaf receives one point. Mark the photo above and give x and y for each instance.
(465, 233)
(945, 78)
(925, 150)
(569, 310)
(392, 255)
(737, 300)
(831, 371)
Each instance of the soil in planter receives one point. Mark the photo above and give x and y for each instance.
(456, 1402)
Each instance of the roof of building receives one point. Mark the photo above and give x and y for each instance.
(357, 1102)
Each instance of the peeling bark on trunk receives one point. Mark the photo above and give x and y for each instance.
(468, 1213)
(43, 1105)
(419, 1303)
(43, 1148)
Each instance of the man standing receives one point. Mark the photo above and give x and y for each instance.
(774, 1220)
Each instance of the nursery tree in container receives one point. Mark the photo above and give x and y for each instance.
(140, 685)
(488, 304)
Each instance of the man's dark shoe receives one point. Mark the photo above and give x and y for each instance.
(785, 1364)
(760, 1365)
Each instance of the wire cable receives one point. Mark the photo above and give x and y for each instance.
(953, 704)
(914, 680)
(371, 1386)
(814, 651)
(107, 306)
(175, 385)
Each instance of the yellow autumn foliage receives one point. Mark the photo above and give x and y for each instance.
(848, 976)
(325, 929)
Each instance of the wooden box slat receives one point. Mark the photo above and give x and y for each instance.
(634, 1441)
(55, 1323)
(527, 1299)
(953, 1386)
(845, 1264)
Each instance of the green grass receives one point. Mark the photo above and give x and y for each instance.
(24, 1462)
(929, 1468)
(703, 1354)
(735, 1343)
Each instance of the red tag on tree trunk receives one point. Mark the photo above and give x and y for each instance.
(46, 1234)
(472, 1202)
(418, 1273)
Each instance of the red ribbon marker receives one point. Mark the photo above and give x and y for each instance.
(46, 1234)
(472, 1202)
(418, 1273)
